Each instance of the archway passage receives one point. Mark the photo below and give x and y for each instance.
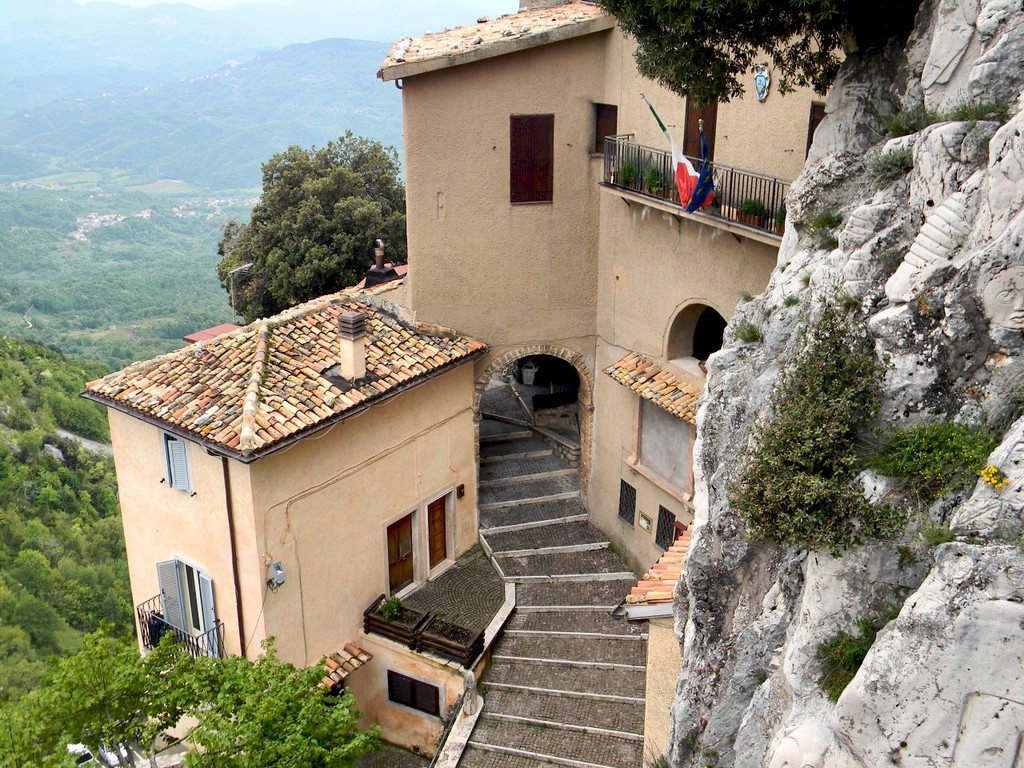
(695, 335)
(708, 333)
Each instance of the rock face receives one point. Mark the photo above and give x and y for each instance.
(935, 261)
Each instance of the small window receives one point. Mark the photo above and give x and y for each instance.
(665, 535)
(414, 693)
(176, 463)
(606, 123)
(532, 155)
(627, 502)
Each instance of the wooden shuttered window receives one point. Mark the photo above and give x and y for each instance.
(170, 593)
(606, 123)
(414, 693)
(176, 459)
(532, 158)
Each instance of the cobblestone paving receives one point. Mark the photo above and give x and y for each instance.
(569, 534)
(512, 447)
(608, 593)
(478, 758)
(469, 593)
(563, 564)
(534, 489)
(392, 757)
(574, 621)
(531, 513)
(572, 745)
(621, 682)
(607, 715)
(493, 428)
(625, 650)
(499, 470)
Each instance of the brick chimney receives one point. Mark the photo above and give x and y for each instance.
(352, 334)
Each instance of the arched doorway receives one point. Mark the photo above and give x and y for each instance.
(695, 334)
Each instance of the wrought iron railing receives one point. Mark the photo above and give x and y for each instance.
(752, 199)
(153, 626)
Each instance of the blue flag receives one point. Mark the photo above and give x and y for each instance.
(704, 190)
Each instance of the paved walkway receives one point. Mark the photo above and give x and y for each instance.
(566, 683)
(391, 757)
(469, 593)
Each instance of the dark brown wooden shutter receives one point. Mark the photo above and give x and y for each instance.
(691, 133)
(532, 154)
(606, 123)
(817, 115)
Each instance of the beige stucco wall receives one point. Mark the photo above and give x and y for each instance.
(664, 660)
(322, 508)
(161, 523)
(507, 274)
(651, 266)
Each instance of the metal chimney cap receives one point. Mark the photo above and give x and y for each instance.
(352, 325)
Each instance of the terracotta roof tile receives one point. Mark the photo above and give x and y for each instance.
(657, 385)
(339, 664)
(658, 584)
(263, 383)
(493, 37)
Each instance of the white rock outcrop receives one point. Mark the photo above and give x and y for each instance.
(935, 260)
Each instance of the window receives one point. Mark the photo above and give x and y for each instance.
(627, 502)
(186, 596)
(532, 152)
(606, 123)
(665, 445)
(176, 463)
(400, 558)
(414, 693)
(665, 535)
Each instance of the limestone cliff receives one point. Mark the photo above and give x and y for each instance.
(931, 259)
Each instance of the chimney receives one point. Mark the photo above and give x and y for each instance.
(352, 360)
(378, 273)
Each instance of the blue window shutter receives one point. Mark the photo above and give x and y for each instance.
(170, 593)
(177, 463)
(209, 612)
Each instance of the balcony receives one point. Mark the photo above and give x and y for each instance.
(153, 626)
(745, 202)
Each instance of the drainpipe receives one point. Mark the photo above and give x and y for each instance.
(234, 555)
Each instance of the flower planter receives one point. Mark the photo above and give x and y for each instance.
(450, 641)
(402, 629)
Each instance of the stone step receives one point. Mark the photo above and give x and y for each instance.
(503, 437)
(568, 680)
(580, 534)
(518, 480)
(509, 468)
(526, 515)
(627, 652)
(507, 448)
(568, 748)
(562, 620)
(625, 719)
(474, 757)
(596, 595)
(594, 565)
(523, 493)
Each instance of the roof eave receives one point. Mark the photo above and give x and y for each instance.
(251, 456)
(402, 70)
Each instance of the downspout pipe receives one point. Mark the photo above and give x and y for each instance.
(230, 512)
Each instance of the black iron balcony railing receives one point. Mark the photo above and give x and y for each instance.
(154, 626)
(752, 199)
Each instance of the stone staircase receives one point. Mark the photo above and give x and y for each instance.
(566, 683)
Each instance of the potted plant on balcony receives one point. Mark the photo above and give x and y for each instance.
(627, 175)
(653, 182)
(451, 641)
(389, 618)
(752, 212)
(780, 219)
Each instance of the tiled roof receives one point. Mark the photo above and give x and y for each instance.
(249, 391)
(208, 333)
(346, 659)
(658, 584)
(652, 382)
(492, 37)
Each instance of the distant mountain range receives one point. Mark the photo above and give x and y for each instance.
(212, 129)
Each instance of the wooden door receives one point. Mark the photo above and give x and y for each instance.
(400, 553)
(437, 531)
(691, 133)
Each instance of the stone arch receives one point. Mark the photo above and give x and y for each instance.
(585, 402)
(694, 331)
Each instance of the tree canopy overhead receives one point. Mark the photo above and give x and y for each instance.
(312, 230)
(702, 48)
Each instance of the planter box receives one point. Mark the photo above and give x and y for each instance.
(434, 637)
(404, 629)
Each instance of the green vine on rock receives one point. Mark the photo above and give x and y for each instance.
(798, 484)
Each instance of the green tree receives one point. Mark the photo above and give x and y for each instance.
(312, 230)
(702, 48)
